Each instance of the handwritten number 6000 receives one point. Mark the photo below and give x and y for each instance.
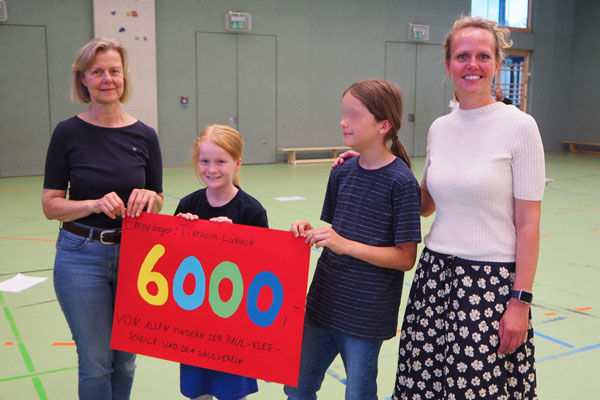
(225, 270)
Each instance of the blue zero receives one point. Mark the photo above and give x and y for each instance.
(189, 265)
(262, 279)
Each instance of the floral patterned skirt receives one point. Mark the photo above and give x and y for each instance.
(449, 341)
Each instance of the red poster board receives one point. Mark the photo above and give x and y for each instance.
(222, 296)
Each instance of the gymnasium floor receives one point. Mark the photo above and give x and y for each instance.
(38, 359)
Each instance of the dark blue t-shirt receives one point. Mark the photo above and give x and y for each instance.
(91, 161)
(378, 208)
(242, 209)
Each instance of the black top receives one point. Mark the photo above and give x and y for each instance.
(242, 209)
(379, 208)
(92, 161)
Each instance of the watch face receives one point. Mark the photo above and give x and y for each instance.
(524, 296)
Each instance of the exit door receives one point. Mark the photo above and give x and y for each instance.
(24, 103)
(236, 85)
(419, 71)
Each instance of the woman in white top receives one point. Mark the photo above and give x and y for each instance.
(467, 329)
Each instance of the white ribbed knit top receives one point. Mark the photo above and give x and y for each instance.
(477, 162)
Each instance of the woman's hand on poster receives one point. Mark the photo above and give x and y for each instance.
(110, 204)
(140, 200)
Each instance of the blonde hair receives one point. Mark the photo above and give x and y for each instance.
(223, 136)
(383, 99)
(85, 59)
(499, 33)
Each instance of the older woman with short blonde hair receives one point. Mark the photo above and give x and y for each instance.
(110, 164)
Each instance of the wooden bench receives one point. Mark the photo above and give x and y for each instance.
(573, 146)
(293, 150)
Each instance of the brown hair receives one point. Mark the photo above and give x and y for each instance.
(383, 99)
(499, 33)
(85, 59)
(223, 136)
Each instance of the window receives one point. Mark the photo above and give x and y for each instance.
(515, 14)
(512, 77)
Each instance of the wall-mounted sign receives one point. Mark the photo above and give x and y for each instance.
(238, 21)
(419, 33)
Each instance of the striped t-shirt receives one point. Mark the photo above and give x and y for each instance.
(376, 207)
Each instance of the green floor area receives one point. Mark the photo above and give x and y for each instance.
(38, 360)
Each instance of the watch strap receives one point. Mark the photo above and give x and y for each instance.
(522, 295)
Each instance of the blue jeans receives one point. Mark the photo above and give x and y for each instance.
(320, 346)
(85, 281)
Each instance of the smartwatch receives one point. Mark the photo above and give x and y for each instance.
(522, 295)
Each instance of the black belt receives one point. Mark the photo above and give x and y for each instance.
(107, 236)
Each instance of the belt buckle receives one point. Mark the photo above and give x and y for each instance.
(105, 233)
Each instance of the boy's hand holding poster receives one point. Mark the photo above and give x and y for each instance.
(216, 295)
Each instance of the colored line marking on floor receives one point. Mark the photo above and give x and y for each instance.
(39, 387)
(552, 320)
(171, 196)
(26, 272)
(9, 343)
(570, 346)
(569, 353)
(28, 239)
(63, 344)
(36, 374)
(584, 308)
(35, 304)
(549, 313)
(569, 292)
(575, 193)
(18, 190)
(336, 376)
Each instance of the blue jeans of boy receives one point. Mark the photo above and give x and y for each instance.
(85, 281)
(320, 346)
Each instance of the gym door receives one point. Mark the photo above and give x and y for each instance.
(24, 104)
(419, 71)
(236, 85)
